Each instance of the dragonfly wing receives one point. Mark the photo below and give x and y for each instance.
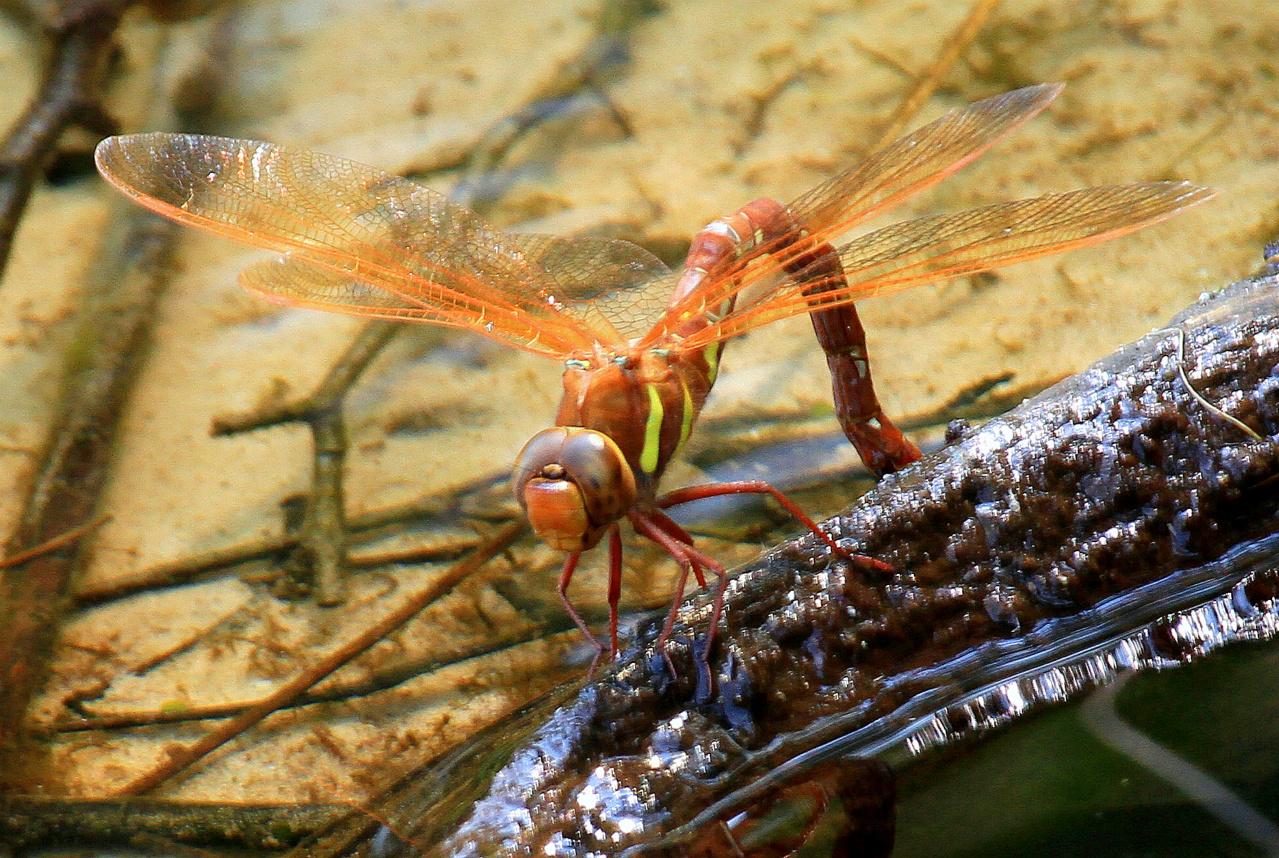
(604, 281)
(919, 160)
(302, 281)
(929, 249)
(369, 227)
(884, 179)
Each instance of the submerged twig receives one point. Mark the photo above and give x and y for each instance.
(27, 822)
(51, 545)
(210, 563)
(926, 83)
(115, 327)
(372, 681)
(110, 344)
(319, 552)
(583, 73)
(180, 759)
(79, 36)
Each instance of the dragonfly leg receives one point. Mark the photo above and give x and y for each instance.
(666, 523)
(699, 560)
(566, 575)
(748, 487)
(614, 584)
(759, 487)
(657, 526)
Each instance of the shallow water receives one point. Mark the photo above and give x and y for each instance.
(821, 660)
(726, 102)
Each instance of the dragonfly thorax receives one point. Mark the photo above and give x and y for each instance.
(573, 484)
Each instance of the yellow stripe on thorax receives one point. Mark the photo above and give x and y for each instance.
(652, 431)
(686, 419)
(711, 354)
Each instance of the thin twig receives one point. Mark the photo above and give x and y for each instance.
(927, 84)
(1201, 399)
(761, 103)
(882, 57)
(51, 545)
(80, 42)
(180, 759)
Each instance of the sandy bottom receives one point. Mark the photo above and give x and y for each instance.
(725, 102)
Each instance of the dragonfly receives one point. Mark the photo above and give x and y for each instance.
(640, 344)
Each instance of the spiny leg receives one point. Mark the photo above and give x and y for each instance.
(699, 561)
(759, 487)
(666, 523)
(657, 526)
(748, 487)
(566, 575)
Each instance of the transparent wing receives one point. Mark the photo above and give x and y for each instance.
(369, 243)
(609, 284)
(928, 249)
(883, 180)
(917, 161)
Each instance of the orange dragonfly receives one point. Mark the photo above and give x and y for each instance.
(640, 345)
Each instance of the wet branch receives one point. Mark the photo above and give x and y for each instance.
(27, 822)
(79, 41)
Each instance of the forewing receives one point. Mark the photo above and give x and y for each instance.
(929, 249)
(919, 160)
(884, 179)
(606, 282)
(344, 223)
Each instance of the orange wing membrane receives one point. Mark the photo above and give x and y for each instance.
(368, 243)
(929, 249)
(641, 347)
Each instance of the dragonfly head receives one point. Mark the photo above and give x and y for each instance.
(573, 483)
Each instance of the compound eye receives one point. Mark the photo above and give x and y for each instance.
(539, 459)
(593, 462)
(573, 483)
